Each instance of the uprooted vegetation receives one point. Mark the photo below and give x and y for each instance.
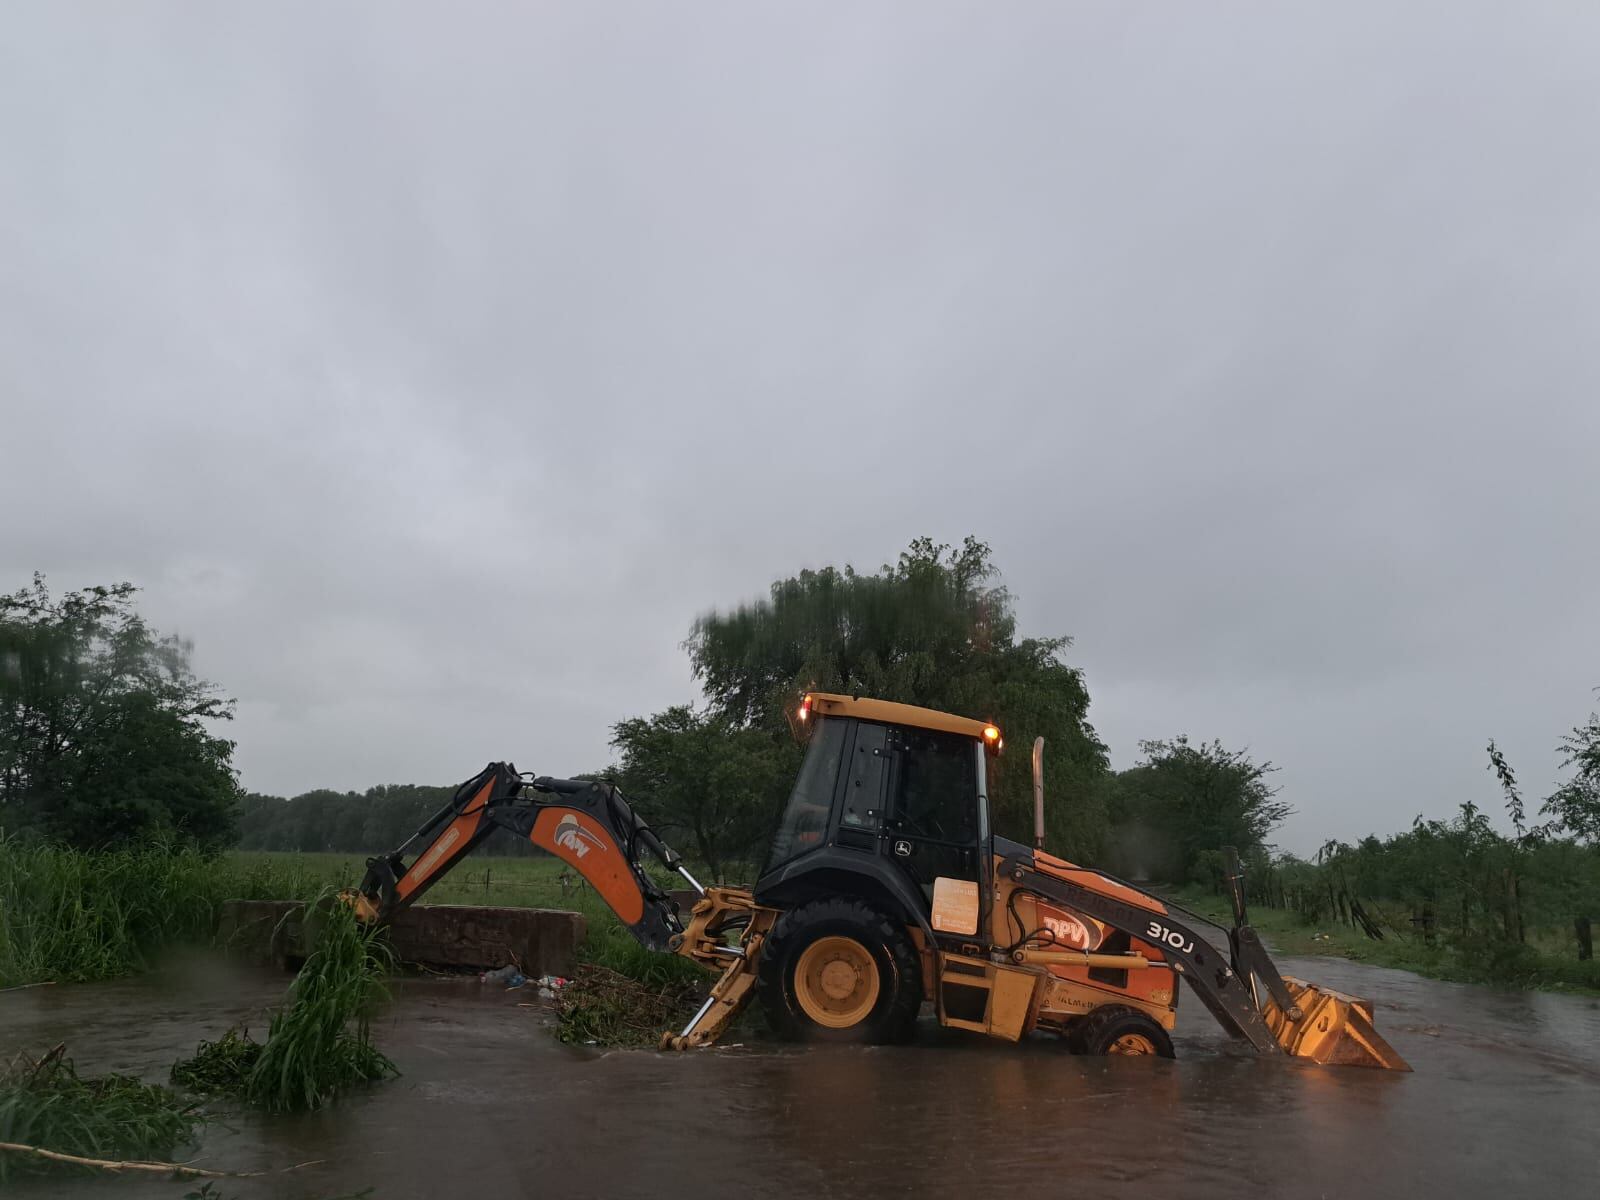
(607, 1008)
(45, 1103)
(320, 1042)
(219, 1068)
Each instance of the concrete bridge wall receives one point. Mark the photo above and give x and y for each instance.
(541, 941)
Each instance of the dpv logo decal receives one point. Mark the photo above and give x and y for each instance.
(574, 837)
(1066, 930)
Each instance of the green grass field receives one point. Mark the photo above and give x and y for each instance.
(514, 883)
(1545, 963)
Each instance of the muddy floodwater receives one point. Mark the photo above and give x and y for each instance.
(1504, 1102)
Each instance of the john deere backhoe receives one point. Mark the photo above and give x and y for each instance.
(886, 889)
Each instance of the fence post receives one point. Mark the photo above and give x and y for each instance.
(1513, 906)
(1585, 942)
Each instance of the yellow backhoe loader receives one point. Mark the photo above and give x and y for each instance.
(887, 889)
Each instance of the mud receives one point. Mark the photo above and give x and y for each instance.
(1505, 1101)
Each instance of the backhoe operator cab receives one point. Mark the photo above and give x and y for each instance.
(886, 888)
(882, 854)
(890, 805)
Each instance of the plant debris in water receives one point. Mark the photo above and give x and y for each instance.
(219, 1068)
(320, 1042)
(46, 1103)
(607, 1008)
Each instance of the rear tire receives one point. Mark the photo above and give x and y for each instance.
(1118, 1029)
(839, 970)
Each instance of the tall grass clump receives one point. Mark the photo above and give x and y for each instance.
(110, 1117)
(608, 944)
(75, 915)
(320, 1042)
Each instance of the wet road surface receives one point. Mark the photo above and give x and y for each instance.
(1504, 1102)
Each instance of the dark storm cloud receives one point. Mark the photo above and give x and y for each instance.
(433, 371)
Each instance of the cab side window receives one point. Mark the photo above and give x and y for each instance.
(936, 792)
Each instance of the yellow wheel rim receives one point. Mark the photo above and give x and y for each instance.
(1132, 1043)
(836, 982)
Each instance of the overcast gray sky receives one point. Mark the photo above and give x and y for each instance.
(433, 366)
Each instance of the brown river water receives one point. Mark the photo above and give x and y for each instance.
(1504, 1102)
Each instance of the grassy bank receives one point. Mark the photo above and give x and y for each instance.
(71, 916)
(515, 883)
(1535, 965)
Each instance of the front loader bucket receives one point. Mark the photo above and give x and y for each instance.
(1333, 1028)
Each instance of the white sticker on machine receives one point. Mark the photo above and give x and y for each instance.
(955, 905)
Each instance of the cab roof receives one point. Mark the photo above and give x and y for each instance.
(826, 704)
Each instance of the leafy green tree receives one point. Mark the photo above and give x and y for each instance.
(710, 788)
(1172, 813)
(935, 628)
(1575, 805)
(105, 732)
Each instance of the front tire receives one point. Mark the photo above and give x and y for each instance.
(839, 970)
(1118, 1029)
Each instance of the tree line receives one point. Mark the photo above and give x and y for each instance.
(365, 823)
(1514, 908)
(107, 736)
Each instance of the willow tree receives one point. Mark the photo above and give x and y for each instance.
(935, 628)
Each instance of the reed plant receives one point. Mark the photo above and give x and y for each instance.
(320, 1041)
(73, 915)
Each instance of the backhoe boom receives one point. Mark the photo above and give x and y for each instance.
(585, 823)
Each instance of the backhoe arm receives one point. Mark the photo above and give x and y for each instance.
(586, 824)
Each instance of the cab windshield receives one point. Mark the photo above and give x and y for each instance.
(805, 817)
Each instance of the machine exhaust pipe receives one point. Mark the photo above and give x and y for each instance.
(1038, 793)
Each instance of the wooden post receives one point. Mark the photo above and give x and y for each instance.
(1422, 922)
(1512, 908)
(1585, 943)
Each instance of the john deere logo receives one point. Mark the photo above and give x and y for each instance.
(903, 848)
(574, 837)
